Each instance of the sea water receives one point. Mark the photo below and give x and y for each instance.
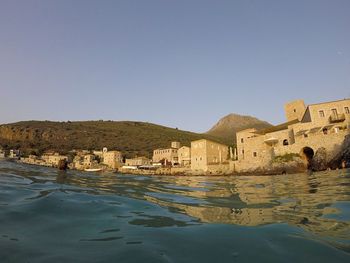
(48, 215)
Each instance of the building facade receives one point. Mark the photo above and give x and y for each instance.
(207, 155)
(113, 159)
(184, 154)
(167, 155)
(53, 159)
(308, 128)
(138, 161)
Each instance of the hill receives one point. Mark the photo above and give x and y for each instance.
(132, 138)
(227, 127)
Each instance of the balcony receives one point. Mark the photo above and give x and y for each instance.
(334, 118)
(271, 141)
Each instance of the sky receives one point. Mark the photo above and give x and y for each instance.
(183, 63)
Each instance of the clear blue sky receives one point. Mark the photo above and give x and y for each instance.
(182, 63)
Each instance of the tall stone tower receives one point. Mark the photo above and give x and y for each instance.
(175, 145)
(294, 110)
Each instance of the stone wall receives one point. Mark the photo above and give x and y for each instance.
(294, 110)
(332, 142)
(205, 153)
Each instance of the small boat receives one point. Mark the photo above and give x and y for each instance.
(93, 170)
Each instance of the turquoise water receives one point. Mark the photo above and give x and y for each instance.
(52, 216)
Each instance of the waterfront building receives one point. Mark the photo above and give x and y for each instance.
(78, 162)
(113, 159)
(88, 160)
(184, 154)
(32, 159)
(14, 154)
(53, 159)
(308, 128)
(167, 155)
(99, 154)
(209, 156)
(175, 145)
(138, 161)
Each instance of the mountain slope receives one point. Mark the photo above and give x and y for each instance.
(227, 127)
(132, 138)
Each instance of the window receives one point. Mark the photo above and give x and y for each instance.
(285, 142)
(242, 151)
(346, 109)
(305, 135)
(321, 113)
(255, 154)
(325, 131)
(334, 112)
(242, 140)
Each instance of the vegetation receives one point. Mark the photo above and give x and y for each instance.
(132, 138)
(288, 157)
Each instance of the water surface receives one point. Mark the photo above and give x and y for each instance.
(52, 216)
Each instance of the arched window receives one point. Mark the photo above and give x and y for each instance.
(285, 142)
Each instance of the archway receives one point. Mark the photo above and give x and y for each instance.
(307, 153)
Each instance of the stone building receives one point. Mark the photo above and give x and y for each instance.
(88, 160)
(84, 161)
(175, 145)
(208, 156)
(308, 128)
(113, 159)
(52, 159)
(99, 154)
(168, 155)
(31, 159)
(14, 154)
(184, 154)
(138, 161)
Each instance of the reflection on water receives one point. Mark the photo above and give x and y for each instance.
(100, 208)
(306, 201)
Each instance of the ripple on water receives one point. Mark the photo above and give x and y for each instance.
(52, 216)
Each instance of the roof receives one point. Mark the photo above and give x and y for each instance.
(138, 158)
(314, 104)
(328, 102)
(314, 130)
(301, 132)
(280, 127)
(209, 141)
(247, 130)
(169, 148)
